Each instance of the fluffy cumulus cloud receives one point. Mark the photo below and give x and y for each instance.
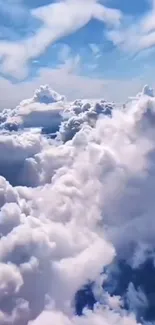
(33, 124)
(43, 110)
(77, 212)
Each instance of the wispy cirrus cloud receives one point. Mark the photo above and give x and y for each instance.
(135, 35)
(76, 14)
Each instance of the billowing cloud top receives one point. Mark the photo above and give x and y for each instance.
(77, 213)
(38, 111)
(47, 109)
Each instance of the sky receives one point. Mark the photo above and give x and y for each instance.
(77, 176)
(81, 48)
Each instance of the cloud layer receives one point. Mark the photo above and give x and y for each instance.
(77, 213)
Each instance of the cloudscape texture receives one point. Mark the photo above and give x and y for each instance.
(77, 162)
(81, 48)
(77, 211)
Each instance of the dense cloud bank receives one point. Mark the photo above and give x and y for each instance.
(47, 110)
(77, 244)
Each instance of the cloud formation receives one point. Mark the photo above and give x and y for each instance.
(42, 110)
(83, 216)
(46, 113)
(47, 110)
(135, 35)
(76, 14)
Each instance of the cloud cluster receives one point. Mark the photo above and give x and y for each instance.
(83, 112)
(42, 110)
(25, 129)
(50, 111)
(81, 216)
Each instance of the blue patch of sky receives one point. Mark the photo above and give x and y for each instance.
(130, 7)
(38, 3)
(15, 29)
(78, 42)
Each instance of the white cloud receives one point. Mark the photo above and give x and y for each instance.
(42, 110)
(16, 150)
(64, 52)
(135, 35)
(46, 112)
(73, 85)
(101, 316)
(91, 203)
(95, 50)
(76, 14)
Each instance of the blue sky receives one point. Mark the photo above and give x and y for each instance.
(84, 47)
